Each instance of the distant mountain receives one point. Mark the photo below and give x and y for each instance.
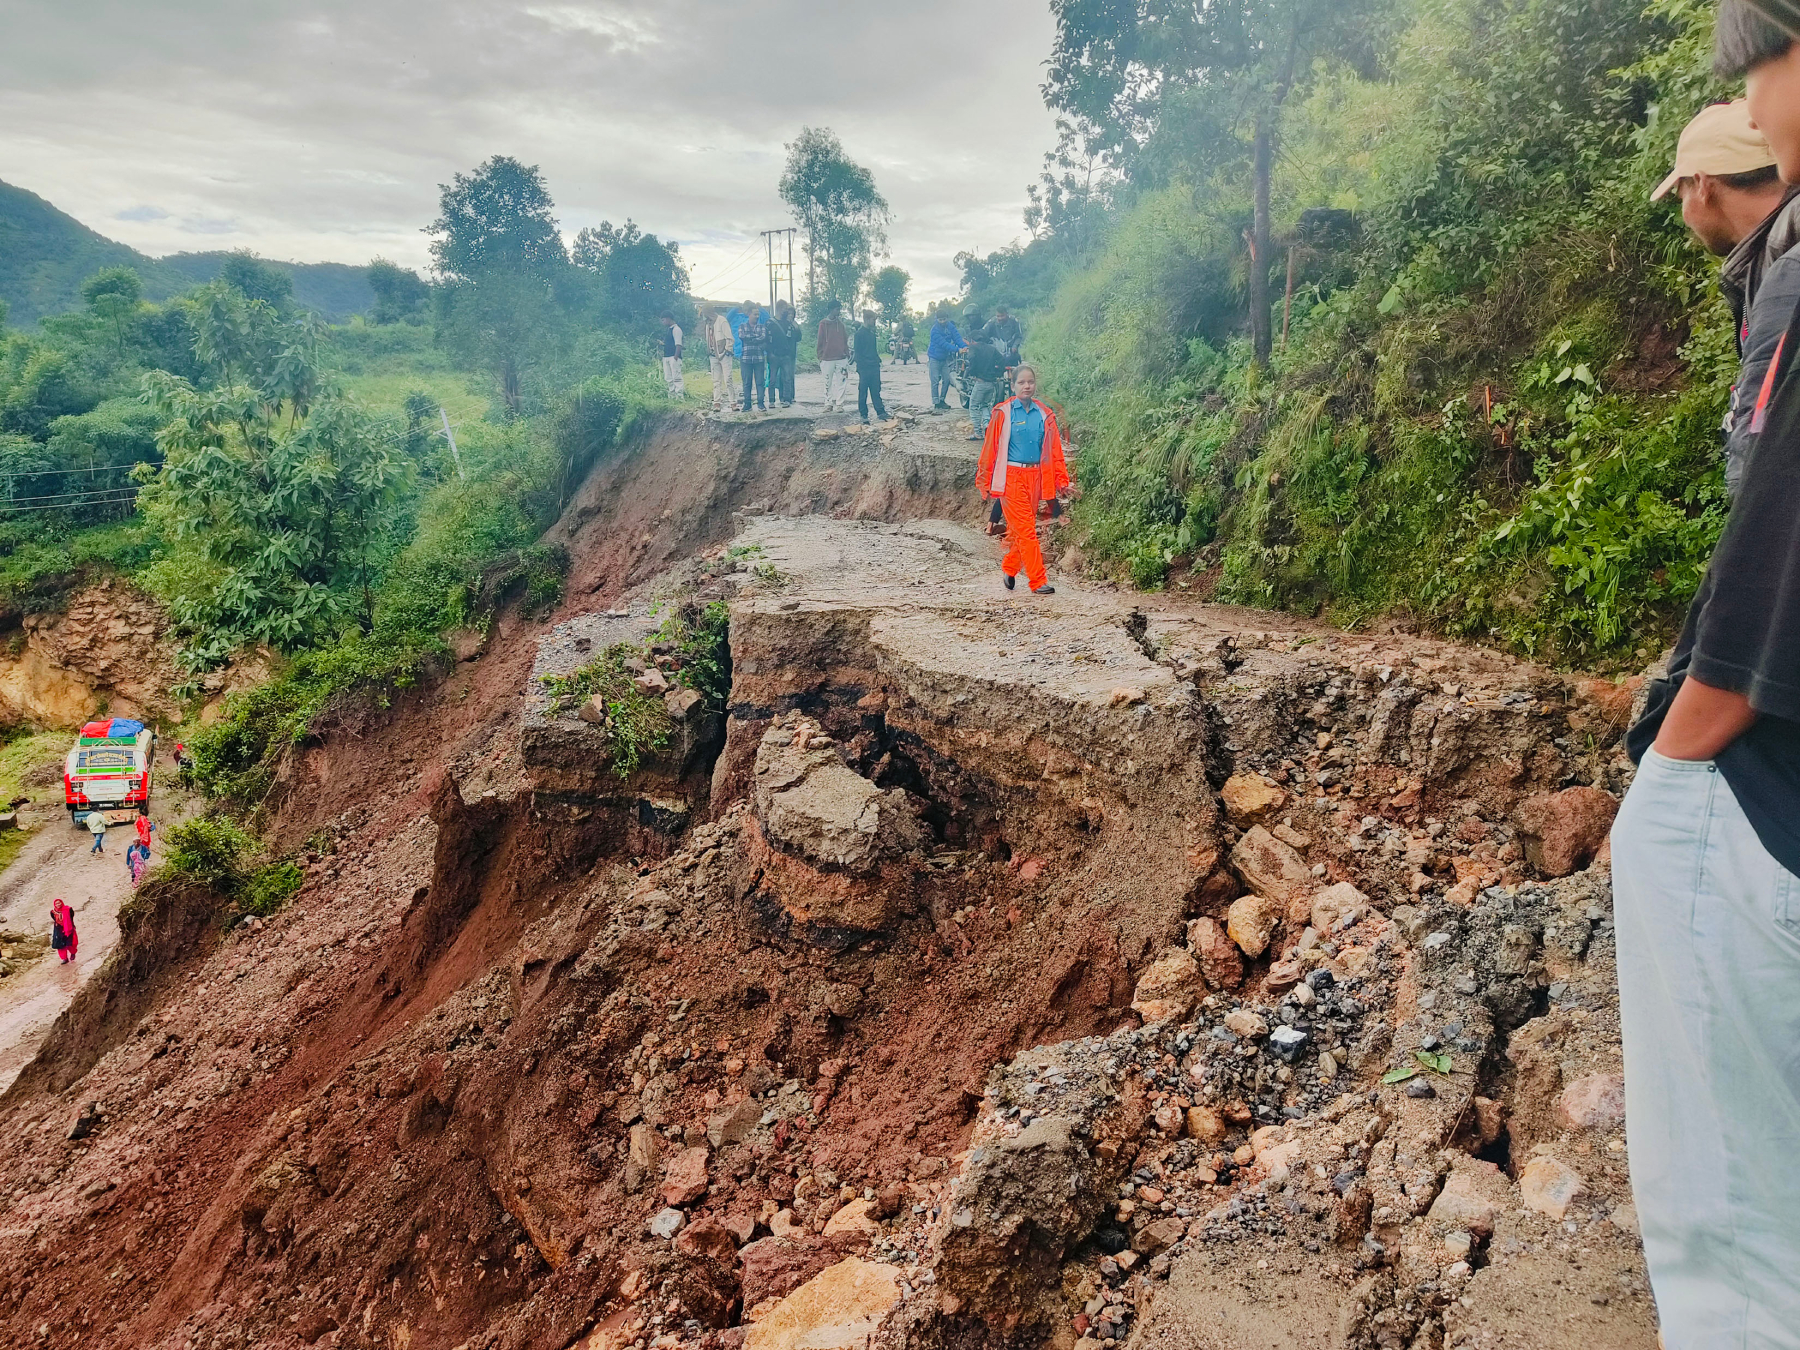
(45, 255)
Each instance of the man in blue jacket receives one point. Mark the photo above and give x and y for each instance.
(940, 351)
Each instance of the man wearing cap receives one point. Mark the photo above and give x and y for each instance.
(1735, 203)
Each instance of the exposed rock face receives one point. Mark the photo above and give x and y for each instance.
(109, 645)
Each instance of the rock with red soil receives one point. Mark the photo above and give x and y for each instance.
(1270, 867)
(734, 1123)
(773, 1267)
(1170, 987)
(840, 1308)
(1251, 923)
(1595, 1101)
(1249, 798)
(1473, 1194)
(1562, 831)
(685, 1178)
(708, 1237)
(1221, 964)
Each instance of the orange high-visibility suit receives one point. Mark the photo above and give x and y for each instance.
(1021, 488)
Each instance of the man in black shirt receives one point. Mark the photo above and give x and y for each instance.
(868, 367)
(1705, 854)
(1004, 332)
(784, 348)
(987, 368)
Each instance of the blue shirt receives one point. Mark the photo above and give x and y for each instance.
(945, 342)
(1026, 444)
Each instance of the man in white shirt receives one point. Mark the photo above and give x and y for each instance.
(718, 350)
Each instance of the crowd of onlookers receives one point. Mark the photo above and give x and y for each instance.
(765, 346)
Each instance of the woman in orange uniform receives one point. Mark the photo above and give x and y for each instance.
(1022, 464)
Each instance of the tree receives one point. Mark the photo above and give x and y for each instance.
(400, 293)
(1118, 64)
(496, 245)
(888, 290)
(258, 280)
(497, 219)
(836, 203)
(638, 275)
(275, 487)
(114, 295)
(1068, 202)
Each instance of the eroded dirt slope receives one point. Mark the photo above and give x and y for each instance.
(985, 971)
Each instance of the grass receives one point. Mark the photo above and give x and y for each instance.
(12, 844)
(23, 753)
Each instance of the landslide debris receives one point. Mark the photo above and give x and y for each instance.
(982, 972)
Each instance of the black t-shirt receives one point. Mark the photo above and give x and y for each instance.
(1743, 628)
(985, 362)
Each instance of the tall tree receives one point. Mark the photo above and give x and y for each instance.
(274, 486)
(114, 294)
(258, 280)
(888, 290)
(638, 275)
(400, 293)
(499, 218)
(497, 248)
(842, 214)
(1117, 65)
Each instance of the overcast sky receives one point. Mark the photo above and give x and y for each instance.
(319, 132)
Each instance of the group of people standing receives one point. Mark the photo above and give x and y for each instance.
(765, 346)
(990, 352)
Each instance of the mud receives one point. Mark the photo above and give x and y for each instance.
(541, 1055)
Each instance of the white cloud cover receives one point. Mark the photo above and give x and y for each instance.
(321, 132)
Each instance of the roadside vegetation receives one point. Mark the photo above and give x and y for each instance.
(1489, 406)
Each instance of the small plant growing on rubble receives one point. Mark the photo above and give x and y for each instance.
(216, 852)
(690, 649)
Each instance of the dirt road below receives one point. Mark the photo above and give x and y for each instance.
(60, 861)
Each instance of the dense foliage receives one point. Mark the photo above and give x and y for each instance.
(1492, 393)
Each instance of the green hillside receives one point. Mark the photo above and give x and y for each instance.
(45, 255)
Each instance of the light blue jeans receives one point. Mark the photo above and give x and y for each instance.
(939, 371)
(981, 404)
(1709, 995)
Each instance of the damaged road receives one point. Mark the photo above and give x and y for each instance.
(976, 970)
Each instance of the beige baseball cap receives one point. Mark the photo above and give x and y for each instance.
(1719, 141)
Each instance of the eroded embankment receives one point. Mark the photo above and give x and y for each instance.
(829, 1015)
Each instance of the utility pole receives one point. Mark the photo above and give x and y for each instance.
(779, 269)
(450, 436)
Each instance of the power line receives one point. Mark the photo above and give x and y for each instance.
(101, 468)
(82, 492)
(63, 506)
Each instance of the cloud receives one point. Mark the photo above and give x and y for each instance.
(326, 138)
(622, 33)
(204, 225)
(142, 213)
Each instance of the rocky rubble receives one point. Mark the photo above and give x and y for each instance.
(993, 975)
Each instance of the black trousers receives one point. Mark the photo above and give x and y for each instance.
(781, 379)
(753, 380)
(868, 386)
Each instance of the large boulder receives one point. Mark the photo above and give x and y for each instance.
(840, 1308)
(1170, 987)
(1221, 964)
(1249, 797)
(1270, 867)
(1251, 922)
(1027, 1196)
(1562, 831)
(814, 805)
